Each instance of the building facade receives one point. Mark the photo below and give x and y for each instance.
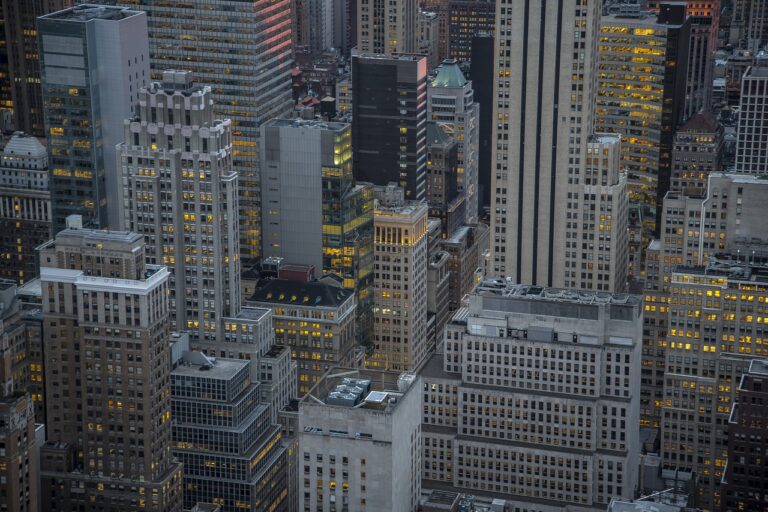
(388, 28)
(467, 19)
(20, 93)
(400, 287)
(752, 134)
(389, 113)
(108, 418)
(450, 103)
(94, 60)
(243, 50)
(360, 442)
(180, 193)
(534, 397)
(19, 476)
(224, 436)
(25, 206)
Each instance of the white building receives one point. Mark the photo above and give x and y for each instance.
(180, 192)
(450, 103)
(360, 442)
(536, 398)
(752, 135)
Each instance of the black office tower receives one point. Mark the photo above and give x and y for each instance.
(481, 74)
(389, 110)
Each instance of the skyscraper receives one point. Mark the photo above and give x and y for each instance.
(20, 93)
(93, 61)
(451, 104)
(25, 206)
(19, 477)
(467, 19)
(534, 398)
(180, 193)
(107, 366)
(242, 49)
(387, 28)
(542, 115)
(389, 113)
(400, 286)
(644, 105)
(752, 135)
(481, 72)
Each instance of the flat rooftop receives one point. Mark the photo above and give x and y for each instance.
(383, 386)
(221, 369)
(251, 313)
(87, 12)
(507, 288)
(312, 124)
(759, 367)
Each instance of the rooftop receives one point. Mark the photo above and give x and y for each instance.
(87, 12)
(449, 75)
(24, 145)
(605, 138)
(507, 288)
(436, 134)
(196, 364)
(759, 367)
(312, 294)
(732, 266)
(251, 313)
(360, 389)
(311, 124)
(702, 122)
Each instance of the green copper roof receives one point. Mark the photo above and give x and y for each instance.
(449, 75)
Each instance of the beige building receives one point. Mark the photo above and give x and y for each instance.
(180, 193)
(389, 27)
(542, 117)
(400, 286)
(535, 399)
(316, 320)
(107, 369)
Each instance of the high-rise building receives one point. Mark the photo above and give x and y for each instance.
(180, 193)
(25, 206)
(749, 24)
(746, 477)
(450, 103)
(467, 19)
(481, 72)
(439, 7)
(388, 28)
(242, 49)
(600, 260)
(20, 94)
(714, 331)
(19, 477)
(429, 37)
(465, 248)
(443, 197)
(544, 62)
(316, 320)
(535, 397)
(93, 60)
(360, 442)
(107, 369)
(400, 286)
(644, 106)
(225, 438)
(752, 134)
(332, 230)
(389, 113)
(697, 154)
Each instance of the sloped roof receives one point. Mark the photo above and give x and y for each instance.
(449, 75)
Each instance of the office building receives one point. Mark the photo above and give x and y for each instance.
(400, 286)
(296, 152)
(481, 72)
(644, 107)
(243, 50)
(19, 476)
(25, 206)
(360, 442)
(429, 37)
(20, 94)
(544, 62)
(450, 104)
(600, 260)
(439, 7)
(93, 62)
(278, 378)
(108, 418)
(443, 197)
(535, 399)
(745, 478)
(180, 193)
(467, 19)
(749, 24)
(332, 231)
(387, 28)
(752, 134)
(389, 113)
(705, 28)
(714, 331)
(438, 287)
(224, 436)
(697, 154)
(316, 320)
(465, 248)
